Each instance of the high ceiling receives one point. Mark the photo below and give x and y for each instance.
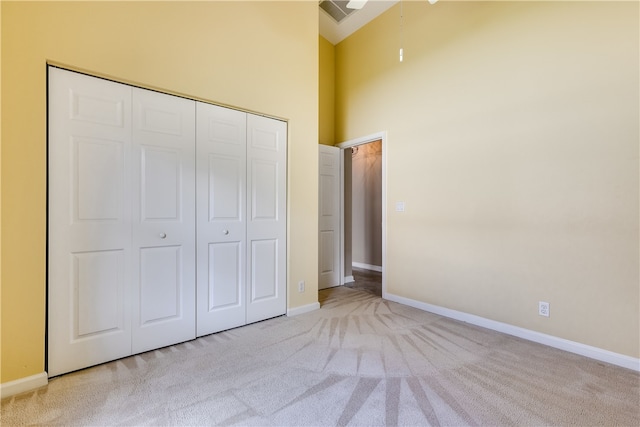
(335, 31)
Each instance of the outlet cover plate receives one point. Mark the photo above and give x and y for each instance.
(543, 308)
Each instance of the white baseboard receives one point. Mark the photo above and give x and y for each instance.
(527, 334)
(304, 309)
(349, 279)
(377, 268)
(23, 384)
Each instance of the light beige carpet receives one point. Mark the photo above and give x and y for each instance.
(359, 360)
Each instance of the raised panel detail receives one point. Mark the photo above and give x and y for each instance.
(327, 183)
(264, 271)
(265, 139)
(326, 251)
(93, 109)
(160, 173)
(225, 188)
(160, 283)
(225, 277)
(161, 121)
(97, 292)
(98, 179)
(226, 132)
(264, 190)
(327, 160)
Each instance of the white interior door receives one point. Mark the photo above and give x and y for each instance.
(221, 218)
(89, 251)
(163, 171)
(266, 217)
(329, 217)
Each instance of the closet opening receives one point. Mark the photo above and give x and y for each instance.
(363, 188)
(363, 217)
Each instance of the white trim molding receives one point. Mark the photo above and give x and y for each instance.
(303, 309)
(349, 279)
(363, 140)
(527, 334)
(377, 268)
(22, 385)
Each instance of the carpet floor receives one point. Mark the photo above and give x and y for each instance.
(366, 280)
(359, 360)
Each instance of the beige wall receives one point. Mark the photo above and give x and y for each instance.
(326, 92)
(258, 56)
(513, 139)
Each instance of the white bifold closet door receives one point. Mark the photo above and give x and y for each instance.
(163, 185)
(241, 206)
(90, 248)
(122, 245)
(121, 259)
(222, 226)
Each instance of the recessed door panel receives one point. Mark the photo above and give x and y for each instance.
(98, 179)
(225, 276)
(224, 126)
(160, 187)
(160, 284)
(87, 105)
(226, 181)
(327, 183)
(161, 120)
(225, 288)
(264, 190)
(327, 240)
(265, 137)
(264, 269)
(98, 293)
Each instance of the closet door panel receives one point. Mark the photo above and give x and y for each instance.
(264, 274)
(89, 227)
(98, 284)
(160, 284)
(163, 220)
(266, 224)
(225, 276)
(221, 224)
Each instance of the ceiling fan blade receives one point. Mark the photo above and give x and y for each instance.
(356, 4)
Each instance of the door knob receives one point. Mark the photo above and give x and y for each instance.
(225, 232)
(163, 235)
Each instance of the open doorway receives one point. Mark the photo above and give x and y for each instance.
(363, 184)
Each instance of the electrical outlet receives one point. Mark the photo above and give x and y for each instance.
(543, 308)
(301, 286)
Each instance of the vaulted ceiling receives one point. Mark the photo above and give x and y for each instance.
(337, 22)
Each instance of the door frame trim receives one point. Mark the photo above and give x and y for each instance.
(382, 137)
